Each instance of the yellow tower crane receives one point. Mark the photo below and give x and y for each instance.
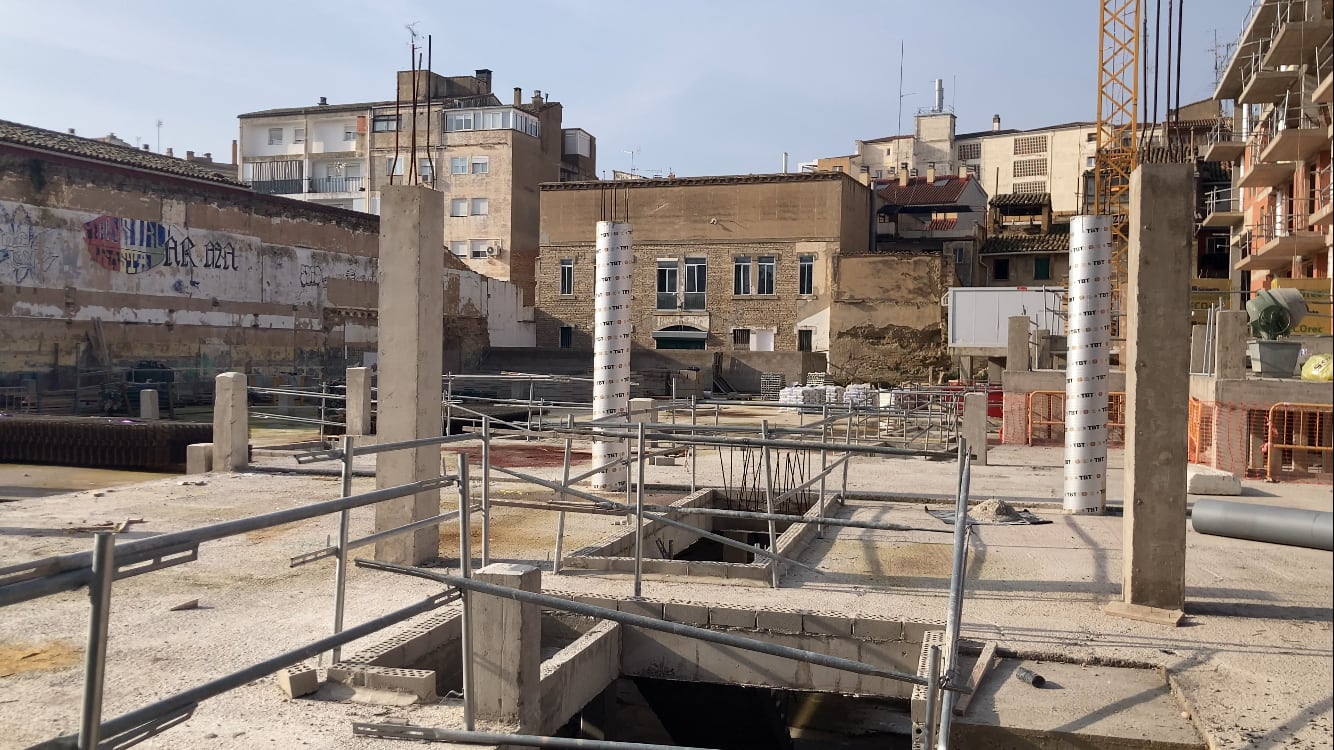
(1117, 152)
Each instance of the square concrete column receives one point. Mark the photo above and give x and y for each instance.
(148, 408)
(359, 405)
(411, 280)
(231, 425)
(1230, 345)
(1153, 548)
(1016, 350)
(975, 426)
(1042, 343)
(1199, 347)
(507, 647)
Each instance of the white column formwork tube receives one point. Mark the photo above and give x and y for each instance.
(1087, 364)
(611, 342)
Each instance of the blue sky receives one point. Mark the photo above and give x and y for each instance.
(695, 87)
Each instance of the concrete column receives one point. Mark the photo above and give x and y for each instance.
(231, 426)
(1042, 342)
(1199, 347)
(148, 408)
(359, 404)
(199, 458)
(649, 416)
(966, 369)
(995, 371)
(1230, 345)
(507, 646)
(411, 276)
(1016, 350)
(1153, 549)
(975, 426)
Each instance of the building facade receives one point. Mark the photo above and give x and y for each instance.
(1278, 206)
(450, 133)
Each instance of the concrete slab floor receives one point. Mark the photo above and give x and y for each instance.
(1253, 658)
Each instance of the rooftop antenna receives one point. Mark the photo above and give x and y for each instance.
(159, 136)
(899, 129)
(632, 159)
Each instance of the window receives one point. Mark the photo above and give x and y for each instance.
(741, 275)
(1030, 168)
(481, 164)
(477, 249)
(806, 274)
(275, 136)
(667, 283)
(805, 340)
(970, 151)
(349, 133)
(425, 170)
(577, 143)
(764, 274)
(1091, 162)
(393, 165)
(298, 135)
(458, 206)
(458, 165)
(741, 338)
(481, 206)
(461, 120)
(459, 248)
(385, 123)
(879, 173)
(567, 276)
(1031, 144)
(838, 168)
(1000, 269)
(1037, 186)
(1042, 269)
(566, 337)
(696, 283)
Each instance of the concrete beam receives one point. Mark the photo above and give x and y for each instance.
(507, 649)
(411, 274)
(231, 425)
(1157, 390)
(360, 407)
(578, 673)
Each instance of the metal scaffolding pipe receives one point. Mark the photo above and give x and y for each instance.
(438, 734)
(847, 447)
(1259, 523)
(648, 623)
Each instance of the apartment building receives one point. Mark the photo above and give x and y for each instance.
(1279, 203)
(451, 133)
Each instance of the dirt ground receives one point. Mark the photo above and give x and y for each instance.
(1252, 660)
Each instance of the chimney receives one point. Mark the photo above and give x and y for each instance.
(963, 170)
(189, 155)
(169, 152)
(233, 150)
(484, 78)
(995, 123)
(940, 95)
(930, 171)
(146, 148)
(537, 97)
(903, 174)
(71, 131)
(208, 156)
(518, 96)
(324, 101)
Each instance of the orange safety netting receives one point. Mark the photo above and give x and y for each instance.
(1046, 418)
(1283, 442)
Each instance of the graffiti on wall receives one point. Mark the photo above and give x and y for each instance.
(134, 246)
(23, 252)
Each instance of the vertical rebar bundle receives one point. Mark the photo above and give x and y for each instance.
(1087, 364)
(611, 341)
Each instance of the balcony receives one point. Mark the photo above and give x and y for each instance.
(279, 187)
(1274, 243)
(1222, 207)
(1265, 174)
(1324, 66)
(1295, 41)
(1298, 133)
(1265, 86)
(337, 184)
(1324, 199)
(1223, 145)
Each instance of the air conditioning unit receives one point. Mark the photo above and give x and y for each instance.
(492, 251)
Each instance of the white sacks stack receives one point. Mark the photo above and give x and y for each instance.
(1087, 364)
(861, 395)
(611, 342)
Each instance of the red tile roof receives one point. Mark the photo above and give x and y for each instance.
(940, 225)
(945, 190)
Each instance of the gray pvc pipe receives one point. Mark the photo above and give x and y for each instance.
(1292, 526)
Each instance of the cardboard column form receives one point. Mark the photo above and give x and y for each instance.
(611, 341)
(1087, 363)
(1153, 552)
(411, 279)
(231, 426)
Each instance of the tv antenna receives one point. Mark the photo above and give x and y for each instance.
(159, 136)
(632, 154)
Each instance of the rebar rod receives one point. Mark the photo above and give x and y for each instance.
(441, 734)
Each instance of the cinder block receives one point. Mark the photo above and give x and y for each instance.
(781, 620)
(706, 569)
(596, 601)
(641, 607)
(199, 458)
(877, 628)
(826, 623)
(684, 612)
(749, 572)
(298, 681)
(728, 617)
(915, 630)
(418, 682)
(1206, 480)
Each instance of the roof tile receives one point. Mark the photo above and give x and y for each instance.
(50, 140)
